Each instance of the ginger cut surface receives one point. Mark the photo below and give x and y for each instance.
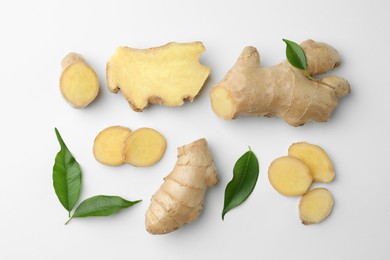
(315, 158)
(179, 200)
(289, 176)
(144, 147)
(281, 90)
(165, 75)
(108, 145)
(79, 83)
(315, 206)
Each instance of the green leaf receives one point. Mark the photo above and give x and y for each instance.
(295, 55)
(245, 174)
(66, 176)
(101, 205)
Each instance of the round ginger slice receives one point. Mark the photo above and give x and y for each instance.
(315, 158)
(144, 147)
(108, 144)
(79, 83)
(315, 206)
(289, 176)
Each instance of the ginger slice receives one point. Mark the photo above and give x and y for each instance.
(144, 147)
(79, 83)
(165, 75)
(108, 144)
(315, 206)
(315, 158)
(289, 176)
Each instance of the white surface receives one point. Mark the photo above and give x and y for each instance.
(37, 34)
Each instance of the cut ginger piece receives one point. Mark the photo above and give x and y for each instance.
(315, 158)
(144, 147)
(79, 83)
(289, 176)
(165, 75)
(315, 206)
(108, 145)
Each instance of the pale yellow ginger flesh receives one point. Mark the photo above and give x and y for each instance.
(165, 75)
(281, 90)
(79, 83)
(108, 145)
(289, 176)
(315, 158)
(315, 206)
(144, 147)
(179, 200)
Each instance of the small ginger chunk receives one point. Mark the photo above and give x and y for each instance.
(315, 158)
(165, 75)
(289, 176)
(144, 147)
(79, 83)
(108, 145)
(315, 206)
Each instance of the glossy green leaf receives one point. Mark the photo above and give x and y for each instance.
(66, 176)
(101, 205)
(295, 55)
(245, 174)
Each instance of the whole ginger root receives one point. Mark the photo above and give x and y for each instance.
(179, 200)
(281, 90)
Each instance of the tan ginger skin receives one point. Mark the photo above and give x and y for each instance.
(281, 90)
(179, 200)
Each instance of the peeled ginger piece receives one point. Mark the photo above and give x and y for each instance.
(315, 206)
(79, 83)
(165, 75)
(289, 176)
(144, 147)
(108, 145)
(315, 158)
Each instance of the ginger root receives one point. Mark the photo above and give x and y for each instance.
(165, 75)
(79, 83)
(281, 90)
(143, 147)
(315, 158)
(108, 145)
(179, 200)
(289, 176)
(315, 206)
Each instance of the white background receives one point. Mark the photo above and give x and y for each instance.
(35, 35)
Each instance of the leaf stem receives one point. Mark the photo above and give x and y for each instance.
(307, 75)
(68, 220)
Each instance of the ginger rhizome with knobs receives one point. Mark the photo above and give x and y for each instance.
(165, 75)
(281, 90)
(180, 198)
(79, 83)
(315, 206)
